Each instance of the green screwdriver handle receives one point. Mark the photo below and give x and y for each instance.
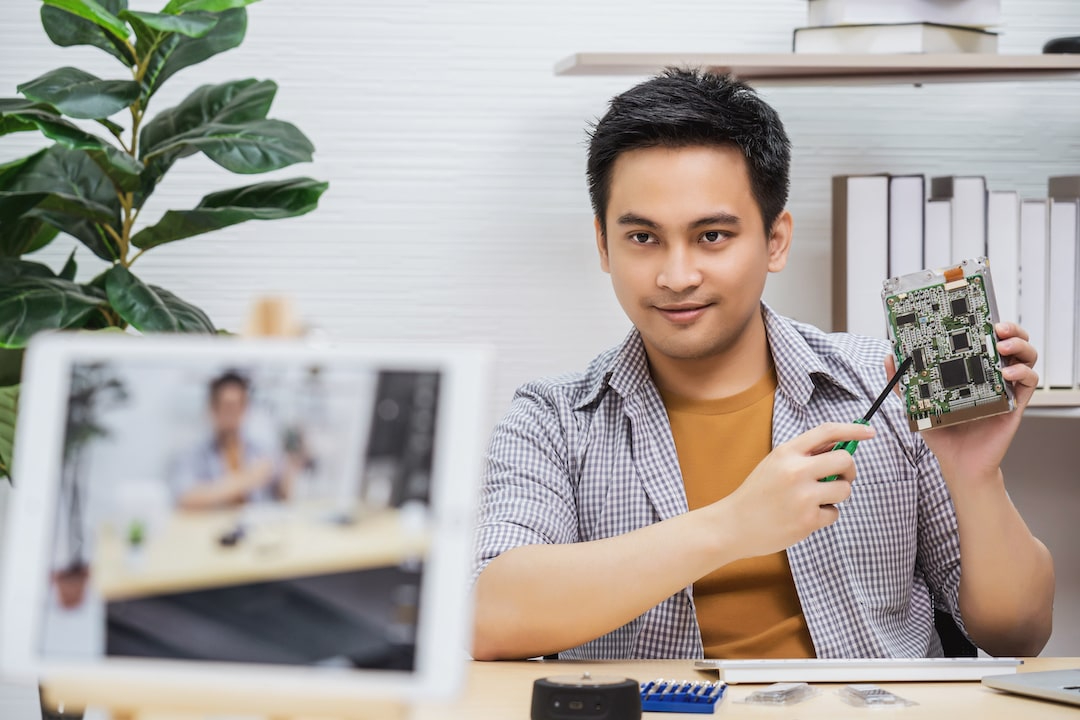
(848, 445)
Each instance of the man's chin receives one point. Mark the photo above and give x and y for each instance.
(688, 348)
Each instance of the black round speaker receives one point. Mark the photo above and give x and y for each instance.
(583, 697)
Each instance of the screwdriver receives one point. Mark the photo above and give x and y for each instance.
(850, 445)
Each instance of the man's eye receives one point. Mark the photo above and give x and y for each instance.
(713, 236)
(641, 238)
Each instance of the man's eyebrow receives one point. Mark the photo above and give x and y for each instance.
(720, 218)
(632, 219)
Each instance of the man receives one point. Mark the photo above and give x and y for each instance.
(666, 502)
(229, 469)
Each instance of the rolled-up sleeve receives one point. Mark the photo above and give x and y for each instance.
(527, 496)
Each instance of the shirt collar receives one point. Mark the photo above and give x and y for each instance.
(798, 366)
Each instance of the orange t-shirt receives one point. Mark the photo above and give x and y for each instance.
(748, 608)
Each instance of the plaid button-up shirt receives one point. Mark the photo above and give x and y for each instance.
(589, 456)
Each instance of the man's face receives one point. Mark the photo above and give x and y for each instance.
(686, 249)
(227, 408)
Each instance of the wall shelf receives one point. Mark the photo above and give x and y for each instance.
(1055, 403)
(811, 69)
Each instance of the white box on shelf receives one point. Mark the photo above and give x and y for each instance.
(889, 38)
(977, 13)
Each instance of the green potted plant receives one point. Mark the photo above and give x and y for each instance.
(94, 185)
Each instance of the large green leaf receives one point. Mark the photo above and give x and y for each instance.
(120, 167)
(11, 170)
(264, 201)
(11, 269)
(24, 235)
(70, 268)
(186, 6)
(236, 101)
(255, 146)
(65, 175)
(191, 25)
(152, 309)
(31, 304)
(9, 408)
(21, 234)
(66, 29)
(95, 13)
(79, 94)
(231, 102)
(18, 115)
(173, 52)
(41, 204)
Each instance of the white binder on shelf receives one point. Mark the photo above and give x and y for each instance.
(1003, 250)
(1067, 187)
(968, 195)
(907, 205)
(1061, 297)
(1034, 243)
(860, 258)
(937, 239)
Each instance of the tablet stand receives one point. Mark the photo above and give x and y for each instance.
(60, 698)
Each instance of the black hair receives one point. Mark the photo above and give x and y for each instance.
(229, 377)
(685, 108)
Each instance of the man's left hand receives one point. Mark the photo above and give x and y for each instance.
(975, 449)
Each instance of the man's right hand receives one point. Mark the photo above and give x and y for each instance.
(783, 501)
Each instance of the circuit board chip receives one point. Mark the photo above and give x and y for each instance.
(945, 319)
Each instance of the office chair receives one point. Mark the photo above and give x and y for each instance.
(953, 642)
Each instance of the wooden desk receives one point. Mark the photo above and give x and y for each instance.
(502, 691)
(186, 555)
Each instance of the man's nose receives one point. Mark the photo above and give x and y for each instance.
(680, 270)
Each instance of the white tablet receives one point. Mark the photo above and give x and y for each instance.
(243, 525)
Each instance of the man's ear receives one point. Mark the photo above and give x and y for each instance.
(780, 241)
(601, 245)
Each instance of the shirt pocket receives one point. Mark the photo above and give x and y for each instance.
(878, 536)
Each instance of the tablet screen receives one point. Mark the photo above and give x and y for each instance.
(266, 511)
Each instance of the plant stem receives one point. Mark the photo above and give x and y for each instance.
(113, 234)
(125, 227)
(127, 200)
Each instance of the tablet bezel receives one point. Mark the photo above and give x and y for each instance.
(444, 615)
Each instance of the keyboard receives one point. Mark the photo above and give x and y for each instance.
(859, 669)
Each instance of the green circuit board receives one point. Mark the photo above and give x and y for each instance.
(944, 320)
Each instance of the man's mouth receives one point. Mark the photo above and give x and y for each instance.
(682, 313)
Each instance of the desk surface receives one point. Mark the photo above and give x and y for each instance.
(502, 691)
